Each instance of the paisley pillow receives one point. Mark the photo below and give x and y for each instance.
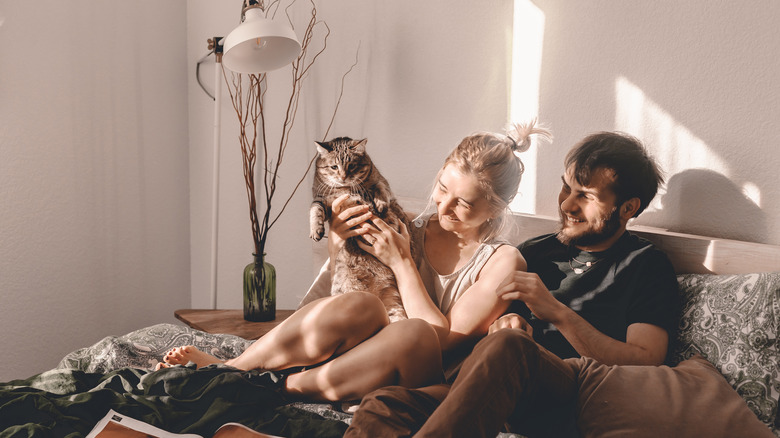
(733, 320)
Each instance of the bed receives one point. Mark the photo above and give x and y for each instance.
(731, 314)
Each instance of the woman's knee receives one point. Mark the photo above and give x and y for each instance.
(419, 330)
(355, 312)
(417, 352)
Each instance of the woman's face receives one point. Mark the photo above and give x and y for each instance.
(460, 202)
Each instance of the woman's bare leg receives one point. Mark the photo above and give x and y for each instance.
(313, 334)
(405, 353)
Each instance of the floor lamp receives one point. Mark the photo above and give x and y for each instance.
(256, 46)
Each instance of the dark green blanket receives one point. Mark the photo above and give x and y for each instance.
(68, 402)
(114, 374)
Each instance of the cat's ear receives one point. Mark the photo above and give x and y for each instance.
(323, 147)
(360, 146)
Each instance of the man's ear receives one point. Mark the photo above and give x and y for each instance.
(629, 208)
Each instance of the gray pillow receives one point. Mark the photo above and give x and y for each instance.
(733, 320)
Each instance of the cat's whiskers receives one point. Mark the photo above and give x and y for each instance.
(324, 190)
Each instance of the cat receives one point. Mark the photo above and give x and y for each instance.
(343, 166)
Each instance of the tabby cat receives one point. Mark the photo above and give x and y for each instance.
(344, 167)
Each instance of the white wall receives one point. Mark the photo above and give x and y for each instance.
(94, 219)
(696, 80)
(428, 74)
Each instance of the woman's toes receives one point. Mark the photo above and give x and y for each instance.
(173, 356)
(179, 355)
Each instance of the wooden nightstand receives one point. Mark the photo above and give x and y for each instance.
(229, 321)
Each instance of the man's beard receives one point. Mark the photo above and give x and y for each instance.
(604, 228)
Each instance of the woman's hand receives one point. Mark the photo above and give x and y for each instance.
(346, 220)
(511, 320)
(387, 245)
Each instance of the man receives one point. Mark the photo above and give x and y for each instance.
(591, 290)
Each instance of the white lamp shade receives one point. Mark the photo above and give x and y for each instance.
(259, 45)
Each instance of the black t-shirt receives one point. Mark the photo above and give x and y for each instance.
(631, 282)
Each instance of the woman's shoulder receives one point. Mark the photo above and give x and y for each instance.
(506, 256)
(503, 260)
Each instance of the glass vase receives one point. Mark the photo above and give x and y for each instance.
(259, 290)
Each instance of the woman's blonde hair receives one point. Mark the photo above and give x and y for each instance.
(492, 159)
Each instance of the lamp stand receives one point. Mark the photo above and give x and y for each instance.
(217, 47)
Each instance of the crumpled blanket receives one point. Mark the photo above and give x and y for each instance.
(116, 373)
(68, 403)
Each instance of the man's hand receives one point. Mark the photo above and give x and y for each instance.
(529, 288)
(511, 320)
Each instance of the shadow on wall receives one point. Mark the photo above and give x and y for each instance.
(707, 203)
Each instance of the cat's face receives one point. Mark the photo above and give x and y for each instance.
(343, 162)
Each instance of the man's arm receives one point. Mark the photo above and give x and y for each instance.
(646, 344)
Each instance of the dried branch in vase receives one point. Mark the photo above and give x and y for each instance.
(250, 107)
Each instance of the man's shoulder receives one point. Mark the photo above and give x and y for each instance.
(631, 242)
(635, 252)
(539, 243)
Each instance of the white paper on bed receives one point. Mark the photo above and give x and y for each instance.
(116, 425)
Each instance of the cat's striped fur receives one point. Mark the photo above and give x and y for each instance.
(344, 167)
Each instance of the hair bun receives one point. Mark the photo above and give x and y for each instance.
(520, 134)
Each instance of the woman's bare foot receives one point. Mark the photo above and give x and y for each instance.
(186, 354)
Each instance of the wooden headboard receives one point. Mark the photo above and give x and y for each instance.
(690, 254)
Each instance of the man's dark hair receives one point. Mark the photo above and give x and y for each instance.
(636, 173)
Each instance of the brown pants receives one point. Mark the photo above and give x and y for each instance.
(507, 380)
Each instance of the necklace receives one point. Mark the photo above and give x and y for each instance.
(579, 270)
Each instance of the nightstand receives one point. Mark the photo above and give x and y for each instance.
(230, 321)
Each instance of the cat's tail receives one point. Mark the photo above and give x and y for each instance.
(521, 133)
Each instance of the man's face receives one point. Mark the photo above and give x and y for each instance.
(590, 218)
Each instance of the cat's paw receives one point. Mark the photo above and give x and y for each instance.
(396, 313)
(381, 207)
(316, 232)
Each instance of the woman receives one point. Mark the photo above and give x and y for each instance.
(342, 347)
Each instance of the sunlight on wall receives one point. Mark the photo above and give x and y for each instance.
(527, 38)
(752, 192)
(674, 146)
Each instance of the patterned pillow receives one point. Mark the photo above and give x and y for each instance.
(733, 320)
(145, 347)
